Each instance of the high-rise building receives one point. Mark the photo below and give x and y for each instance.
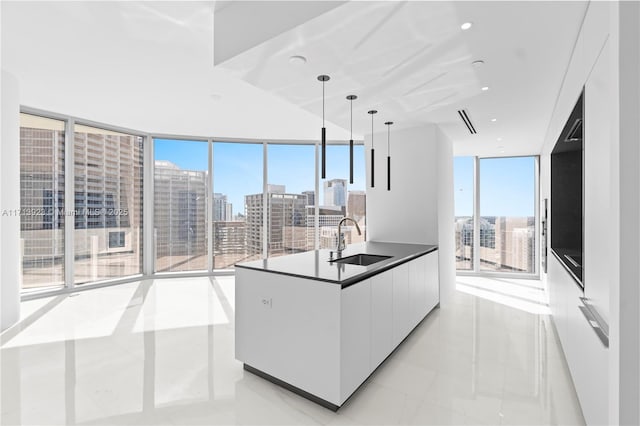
(285, 214)
(287, 223)
(328, 219)
(181, 224)
(335, 192)
(222, 208)
(276, 189)
(311, 197)
(229, 243)
(42, 156)
(506, 243)
(356, 205)
(107, 212)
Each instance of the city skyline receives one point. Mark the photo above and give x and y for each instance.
(293, 166)
(237, 167)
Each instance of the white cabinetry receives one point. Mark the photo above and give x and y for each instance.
(324, 339)
(424, 289)
(432, 276)
(381, 317)
(598, 206)
(586, 356)
(289, 327)
(355, 337)
(401, 318)
(418, 289)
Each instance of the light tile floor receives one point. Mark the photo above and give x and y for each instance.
(162, 352)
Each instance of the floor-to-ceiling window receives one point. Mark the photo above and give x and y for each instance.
(108, 199)
(181, 191)
(507, 214)
(496, 201)
(463, 198)
(214, 203)
(237, 203)
(290, 199)
(42, 181)
(338, 197)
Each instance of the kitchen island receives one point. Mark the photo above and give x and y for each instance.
(320, 327)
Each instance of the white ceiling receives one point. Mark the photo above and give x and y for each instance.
(412, 62)
(141, 65)
(149, 66)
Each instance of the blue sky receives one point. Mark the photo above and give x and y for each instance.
(507, 186)
(238, 167)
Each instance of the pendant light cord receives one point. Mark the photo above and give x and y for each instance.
(351, 101)
(371, 131)
(388, 137)
(323, 104)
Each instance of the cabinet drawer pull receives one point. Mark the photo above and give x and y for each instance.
(595, 321)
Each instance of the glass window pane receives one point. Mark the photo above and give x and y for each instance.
(339, 198)
(108, 204)
(42, 154)
(290, 190)
(180, 205)
(237, 212)
(507, 215)
(463, 199)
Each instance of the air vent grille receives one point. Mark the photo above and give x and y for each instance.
(467, 121)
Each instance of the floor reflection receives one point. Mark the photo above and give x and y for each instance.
(524, 294)
(162, 352)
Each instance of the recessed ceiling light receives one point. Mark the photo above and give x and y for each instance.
(297, 60)
(494, 120)
(499, 139)
(477, 63)
(466, 26)
(485, 88)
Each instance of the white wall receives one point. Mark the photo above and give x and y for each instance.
(605, 61)
(447, 265)
(10, 277)
(586, 356)
(625, 155)
(419, 207)
(408, 213)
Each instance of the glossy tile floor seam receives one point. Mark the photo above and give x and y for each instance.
(162, 352)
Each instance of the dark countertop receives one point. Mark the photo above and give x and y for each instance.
(315, 264)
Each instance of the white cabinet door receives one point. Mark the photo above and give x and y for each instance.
(355, 337)
(401, 317)
(598, 200)
(381, 317)
(432, 281)
(418, 289)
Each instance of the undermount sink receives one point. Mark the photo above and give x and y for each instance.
(361, 259)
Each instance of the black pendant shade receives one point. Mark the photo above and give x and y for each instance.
(373, 111)
(351, 98)
(388, 124)
(323, 136)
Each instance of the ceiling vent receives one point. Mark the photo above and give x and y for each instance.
(467, 121)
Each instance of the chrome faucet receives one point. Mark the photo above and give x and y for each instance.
(341, 243)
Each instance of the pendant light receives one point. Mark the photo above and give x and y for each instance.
(388, 124)
(324, 78)
(372, 112)
(351, 98)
